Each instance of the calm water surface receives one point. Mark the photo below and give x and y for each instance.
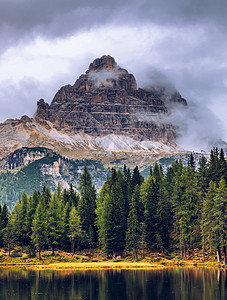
(179, 284)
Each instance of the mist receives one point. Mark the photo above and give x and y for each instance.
(182, 44)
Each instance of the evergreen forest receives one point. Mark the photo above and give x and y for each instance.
(175, 212)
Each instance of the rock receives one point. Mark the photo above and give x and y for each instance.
(105, 100)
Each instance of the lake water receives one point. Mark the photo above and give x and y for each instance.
(179, 284)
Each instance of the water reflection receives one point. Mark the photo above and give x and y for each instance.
(177, 284)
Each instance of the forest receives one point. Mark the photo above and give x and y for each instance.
(175, 212)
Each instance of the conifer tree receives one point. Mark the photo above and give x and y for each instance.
(186, 198)
(3, 222)
(87, 203)
(149, 198)
(75, 229)
(39, 228)
(137, 178)
(114, 216)
(73, 197)
(54, 223)
(4, 216)
(9, 234)
(133, 230)
(223, 166)
(213, 166)
(65, 241)
(207, 219)
(163, 213)
(220, 219)
(202, 174)
(46, 194)
(191, 162)
(20, 215)
(101, 214)
(32, 205)
(139, 204)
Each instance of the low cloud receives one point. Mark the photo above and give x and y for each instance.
(103, 78)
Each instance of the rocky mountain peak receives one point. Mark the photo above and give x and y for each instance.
(105, 63)
(105, 100)
(105, 74)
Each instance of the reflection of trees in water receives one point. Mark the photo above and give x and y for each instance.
(177, 284)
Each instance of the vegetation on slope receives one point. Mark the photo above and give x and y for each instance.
(178, 212)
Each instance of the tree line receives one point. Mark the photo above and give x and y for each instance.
(181, 210)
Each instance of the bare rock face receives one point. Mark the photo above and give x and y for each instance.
(105, 100)
(23, 157)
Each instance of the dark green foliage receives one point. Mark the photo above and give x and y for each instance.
(181, 210)
(87, 203)
(149, 198)
(191, 162)
(75, 232)
(54, 223)
(186, 198)
(65, 240)
(202, 174)
(223, 166)
(111, 215)
(32, 177)
(39, 227)
(115, 219)
(133, 230)
(137, 178)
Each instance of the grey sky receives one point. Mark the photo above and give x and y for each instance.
(48, 43)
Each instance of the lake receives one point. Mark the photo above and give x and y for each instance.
(177, 284)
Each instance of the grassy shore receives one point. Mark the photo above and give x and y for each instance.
(66, 261)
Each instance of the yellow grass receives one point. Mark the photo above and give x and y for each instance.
(98, 265)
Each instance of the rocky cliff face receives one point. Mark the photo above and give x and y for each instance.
(23, 157)
(105, 100)
(102, 112)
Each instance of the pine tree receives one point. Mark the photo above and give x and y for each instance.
(65, 241)
(149, 198)
(133, 230)
(111, 215)
(114, 216)
(202, 174)
(220, 218)
(46, 194)
(20, 216)
(101, 214)
(75, 229)
(191, 162)
(39, 228)
(223, 166)
(137, 178)
(73, 197)
(9, 234)
(4, 216)
(213, 166)
(139, 204)
(207, 219)
(87, 203)
(186, 197)
(54, 223)
(32, 205)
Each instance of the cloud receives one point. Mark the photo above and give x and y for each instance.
(47, 44)
(103, 78)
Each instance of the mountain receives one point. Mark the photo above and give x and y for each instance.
(103, 120)
(33, 168)
(102, 111)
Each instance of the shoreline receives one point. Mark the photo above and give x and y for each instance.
(98, 260)
(107, 265)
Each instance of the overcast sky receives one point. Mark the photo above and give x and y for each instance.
(46, 44)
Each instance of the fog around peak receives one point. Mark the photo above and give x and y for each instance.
(181, 44)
